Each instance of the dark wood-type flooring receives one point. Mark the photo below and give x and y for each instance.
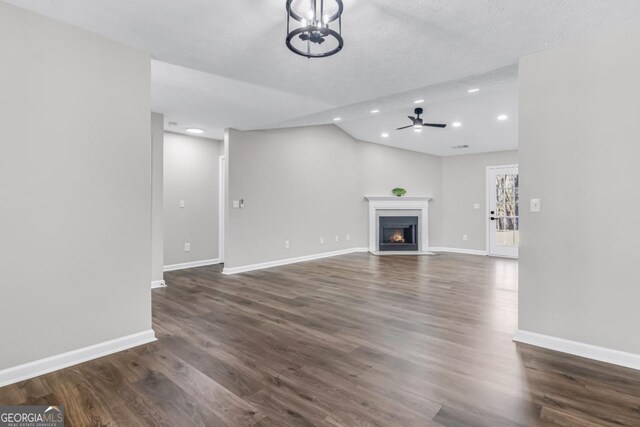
(356, 340)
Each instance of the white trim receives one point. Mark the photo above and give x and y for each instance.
(459, 251)
(191, 264)
(60, 361)
(158, 284)
(399, 203)
(270, 264)
(394, 199)
(487, 211)
(602, 354)
(221, 208)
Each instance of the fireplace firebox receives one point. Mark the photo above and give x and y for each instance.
(398, 233)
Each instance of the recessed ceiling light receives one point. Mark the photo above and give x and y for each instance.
(474, 90)
(503, 117)
(337, 119)
(195, 131)
(419, 101)
(384, 135)
(375, 111)
(456, 124)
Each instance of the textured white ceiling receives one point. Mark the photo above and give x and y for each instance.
(392, 46)
(476, 112)
(193, 98)
(445, 102)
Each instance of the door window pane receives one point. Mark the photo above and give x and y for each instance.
(506, 215)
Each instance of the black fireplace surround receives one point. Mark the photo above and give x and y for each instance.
(398, 233)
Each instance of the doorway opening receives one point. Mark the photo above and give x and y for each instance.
(222, 182)
(503, 223)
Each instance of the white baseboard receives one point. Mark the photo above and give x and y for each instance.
(459, 251)
(158, 284)
(64, 360)
(270, 264)
(193, 264)
(602, 354)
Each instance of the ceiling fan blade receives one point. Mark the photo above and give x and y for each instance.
(434, 125)
(413, 119)
(405, 127)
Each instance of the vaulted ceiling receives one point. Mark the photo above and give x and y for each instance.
(221, 63)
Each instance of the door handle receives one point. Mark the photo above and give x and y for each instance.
(492, 218)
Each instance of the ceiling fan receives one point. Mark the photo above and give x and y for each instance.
(418, 124)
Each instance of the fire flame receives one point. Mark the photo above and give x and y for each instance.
(397, 237)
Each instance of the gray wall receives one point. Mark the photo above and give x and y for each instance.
(463, 185)
(75, 186)
(157, 209)
(191, 168)
(579, 150)
(305, 183)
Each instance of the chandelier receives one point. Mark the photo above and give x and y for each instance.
(314, 27)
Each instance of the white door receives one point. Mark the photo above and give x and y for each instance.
(503, 228)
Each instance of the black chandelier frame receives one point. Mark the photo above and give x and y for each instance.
(317, 28)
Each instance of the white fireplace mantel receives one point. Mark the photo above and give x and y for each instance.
(379, 203)
(395, 199)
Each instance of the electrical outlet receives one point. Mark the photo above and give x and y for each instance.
(465, 237)
(187, 247)
(235, 204)
(476, 206)
(286, 244)
(348, 237)
(337, 238)
(182, 203)
(322, 240)
(534, 205)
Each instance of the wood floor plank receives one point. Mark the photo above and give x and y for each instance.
(230, 408)
(355, 340)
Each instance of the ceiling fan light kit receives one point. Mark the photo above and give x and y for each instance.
(314, 27)
(418, 123)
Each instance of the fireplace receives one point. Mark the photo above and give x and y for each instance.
(407, 212)
(398, 233)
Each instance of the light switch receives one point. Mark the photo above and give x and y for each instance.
(236, 204)
(182, 203)
(534, 205)
(476, 206)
